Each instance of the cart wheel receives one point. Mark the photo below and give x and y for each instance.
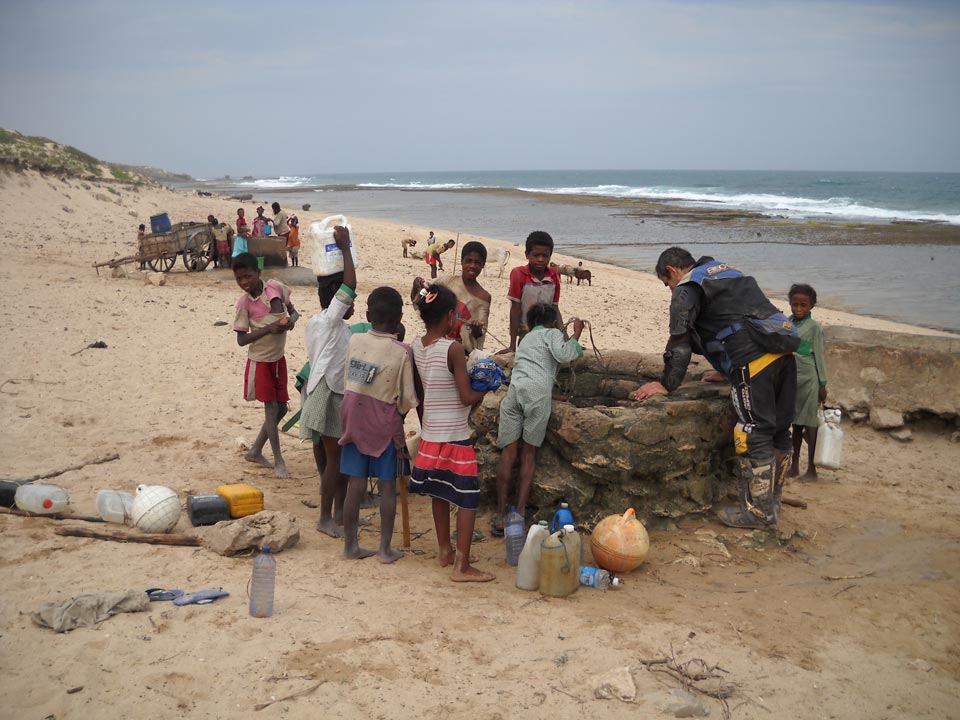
(200, 254)
(162, 264)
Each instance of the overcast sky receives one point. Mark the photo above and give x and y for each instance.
(210, 87)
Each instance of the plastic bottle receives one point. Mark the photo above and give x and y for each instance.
(326, 257)
(597, 578)
(262, 583)
(115, 506)
(42, 499)
(560, 563)
(528, 568)
(561, 517)
(513, 533)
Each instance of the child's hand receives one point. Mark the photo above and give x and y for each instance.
(822, 393)
(341, 236)
(578, 326)
(476, 328)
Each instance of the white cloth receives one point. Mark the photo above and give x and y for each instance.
(326, 338)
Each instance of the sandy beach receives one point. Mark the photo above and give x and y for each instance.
(856, 617)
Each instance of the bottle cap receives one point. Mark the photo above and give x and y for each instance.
(544, 523)
(265, 548)
(564, 505)
(616, 582)
(569, 528)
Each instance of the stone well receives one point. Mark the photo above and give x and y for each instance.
(666, 457)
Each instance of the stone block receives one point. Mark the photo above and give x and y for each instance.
(883, 419)
(279, 530)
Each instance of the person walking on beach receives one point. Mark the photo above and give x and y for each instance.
(326, 338)
(432, 256)
(473, 302)
(525, 411)
(719, 312)
(379, 391)
(446, 465)
(264, 315)
(811, 380)
(535, 282)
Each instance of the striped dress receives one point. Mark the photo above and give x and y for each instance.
(446, 465)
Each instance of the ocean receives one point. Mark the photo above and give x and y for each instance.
(881, 244)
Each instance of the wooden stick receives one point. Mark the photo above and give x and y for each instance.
(404, 511)
(24, 513)
(118, 536)
(794, 502)
(95, 461)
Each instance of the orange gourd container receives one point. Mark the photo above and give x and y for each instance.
(620, 542)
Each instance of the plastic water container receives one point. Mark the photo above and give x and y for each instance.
(528, 568)
(561, 517)
(115, 506)
(327, 258)
(160, 223)
(829, 450)
(513, 533)
(207, 509)
(597, 578)
(262, 584)
(560, 563)
(42, 499)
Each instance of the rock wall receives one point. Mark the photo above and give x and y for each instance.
(886, 375)
(603, 453)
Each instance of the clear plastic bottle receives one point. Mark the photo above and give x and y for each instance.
(513, 533)
(262, 583)
(597, 578)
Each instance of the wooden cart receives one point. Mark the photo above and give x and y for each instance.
(192, 240)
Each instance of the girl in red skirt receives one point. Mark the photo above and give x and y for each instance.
(446, 465)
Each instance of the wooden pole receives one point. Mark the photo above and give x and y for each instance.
(54, 473)
(119, 536)
(23, 513)
(404, 511)
(456, 254)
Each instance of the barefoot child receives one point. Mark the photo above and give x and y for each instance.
(326, 340)
(811, 379)
(473, 302)
(525, 411)
(264, 315)
(446, 465)
(379, 391)
(293, 240)
(432, 255)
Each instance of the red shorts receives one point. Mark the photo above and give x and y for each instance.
(430, 258)
(266, 381)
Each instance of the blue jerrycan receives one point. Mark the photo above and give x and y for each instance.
(561, 517)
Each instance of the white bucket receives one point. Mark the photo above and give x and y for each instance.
(326, 257)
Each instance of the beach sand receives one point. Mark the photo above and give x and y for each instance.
(360, 639)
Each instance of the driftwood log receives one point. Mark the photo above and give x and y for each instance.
(120, 536)
(54, 473)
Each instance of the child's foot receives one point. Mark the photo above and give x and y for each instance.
(357, 553)
(446, 558)
(280, 470)
(808, 477)
(389, 556)
(328, 527)
(471, 574)
(258, 458)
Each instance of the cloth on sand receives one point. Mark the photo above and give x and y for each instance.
(89, 610)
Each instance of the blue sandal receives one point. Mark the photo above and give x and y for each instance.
(161, 594)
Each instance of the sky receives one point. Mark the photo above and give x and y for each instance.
(241, 88)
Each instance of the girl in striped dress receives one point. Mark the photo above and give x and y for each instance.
(446, 465)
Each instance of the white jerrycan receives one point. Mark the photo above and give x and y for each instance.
(829, 450)
(326, 257)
